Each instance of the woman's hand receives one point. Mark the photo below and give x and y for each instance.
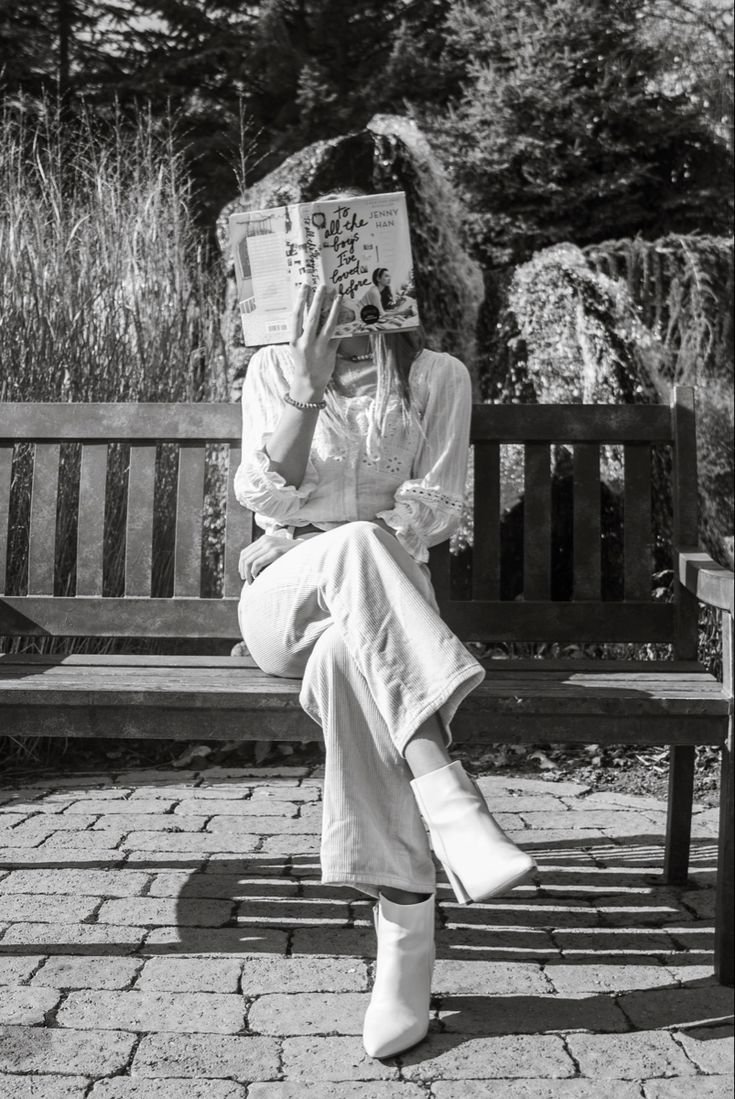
(314, 358)
(261, 553)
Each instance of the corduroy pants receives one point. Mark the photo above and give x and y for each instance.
(351, 612)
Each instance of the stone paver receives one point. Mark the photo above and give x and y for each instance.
(629, 1056)
(187, 1012)
(14, 971)
(697, 1087)
(309, 1013)
(69, 1052)
(43, 1087)
(537, 1089)
(333, 1058)
(266, 974)
(167, 1089)
(162, 1056)
(454, 1057)
(190, 975)
(710, 1048)
(165, 934)
(87, 972)
(322, 1089)
(27, 1006)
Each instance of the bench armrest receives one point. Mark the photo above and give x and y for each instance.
(711, 583)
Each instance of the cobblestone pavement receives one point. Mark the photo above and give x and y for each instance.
(165, 935)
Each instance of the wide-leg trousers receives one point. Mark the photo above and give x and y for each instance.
(354, 615)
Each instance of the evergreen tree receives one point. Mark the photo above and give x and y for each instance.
(319, 68)
(561, 133)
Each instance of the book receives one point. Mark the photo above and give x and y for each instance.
(360, 247)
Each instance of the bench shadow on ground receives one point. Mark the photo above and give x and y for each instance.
(595, 903)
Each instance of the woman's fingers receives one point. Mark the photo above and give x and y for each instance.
(311, 324)
(254, 558)
(297, 319)
(331, 322)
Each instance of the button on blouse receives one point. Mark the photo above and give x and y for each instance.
(416, 483)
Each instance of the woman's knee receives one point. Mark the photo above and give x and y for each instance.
(266, 645)
(358, 535)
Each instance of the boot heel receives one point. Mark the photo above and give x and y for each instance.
(460, 892)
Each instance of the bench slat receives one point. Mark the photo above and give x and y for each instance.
(537, 523)
(483, 620)
(91, 522)
(120, 422)
(550, 668)
(486, 538)
(42, 533)
(190, 422)
(238, 724)
(251, 690)
(571, 423)
(637, 569)
(586, 519)
(238, 529)
(139, 529)
(686, 514)
(6, 475)
(472, 620)
(189, 501)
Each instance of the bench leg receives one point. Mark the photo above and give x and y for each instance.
(679, 814)
(725, 902)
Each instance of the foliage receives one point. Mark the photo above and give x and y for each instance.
(621, 322)
(300, 69)
(695, 41)
(569, 333)
(562, 134)
(683, 289)
(106, 288)
(108, 296)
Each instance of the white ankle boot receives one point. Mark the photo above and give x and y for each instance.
(479, 859)
(398, 1013)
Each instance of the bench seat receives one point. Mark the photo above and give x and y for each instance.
(206, 698)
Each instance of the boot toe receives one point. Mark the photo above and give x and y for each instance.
(385, 1037)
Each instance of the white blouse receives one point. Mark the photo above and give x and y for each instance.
(417, 482)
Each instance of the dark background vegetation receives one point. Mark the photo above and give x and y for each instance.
(559, 119)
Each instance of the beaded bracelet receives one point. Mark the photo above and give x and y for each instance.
(303, 404)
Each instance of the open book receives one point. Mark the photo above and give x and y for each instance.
(358, 246)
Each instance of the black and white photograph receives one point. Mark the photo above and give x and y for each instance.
(366, 549)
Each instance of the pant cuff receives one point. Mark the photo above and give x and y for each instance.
(364, 884)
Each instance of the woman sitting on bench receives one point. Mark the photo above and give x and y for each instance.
(354, 460)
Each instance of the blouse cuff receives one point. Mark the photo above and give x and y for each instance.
(423, 516)
(402, 521)
(447, 507)
(265, 490)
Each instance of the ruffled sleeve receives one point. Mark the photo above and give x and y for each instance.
(257, 486)
(429, 507)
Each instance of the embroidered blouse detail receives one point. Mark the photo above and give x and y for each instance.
(414, 479)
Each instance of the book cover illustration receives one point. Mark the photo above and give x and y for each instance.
(359, 246)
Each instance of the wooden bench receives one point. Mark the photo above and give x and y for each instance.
(656, 702)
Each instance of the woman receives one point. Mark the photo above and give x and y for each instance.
(380, 297)
(354, 460)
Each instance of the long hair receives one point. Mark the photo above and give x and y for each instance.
(386, 298)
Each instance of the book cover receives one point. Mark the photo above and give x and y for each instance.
(359, 246)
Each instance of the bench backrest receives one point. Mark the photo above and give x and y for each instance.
(209, 435)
